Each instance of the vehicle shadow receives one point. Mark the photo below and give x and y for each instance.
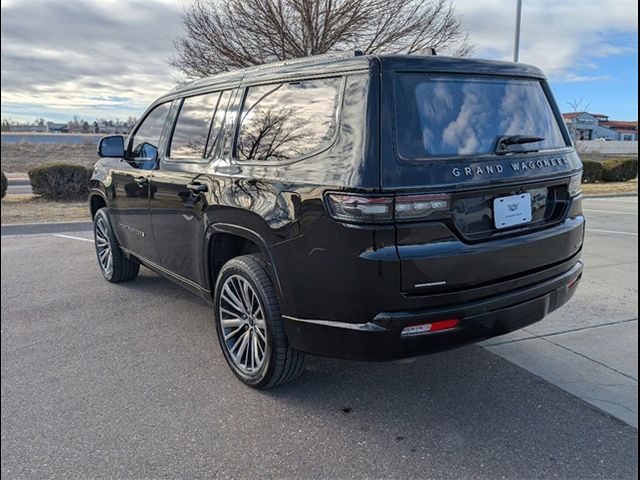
(478, 405)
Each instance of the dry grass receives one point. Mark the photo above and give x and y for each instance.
(33, 209)
(21, 157)
(610, 188)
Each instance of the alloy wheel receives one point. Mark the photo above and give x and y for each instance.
(243, 324)
(103, 247)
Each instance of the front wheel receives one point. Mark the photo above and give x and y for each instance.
(115, 267)
(249, 325)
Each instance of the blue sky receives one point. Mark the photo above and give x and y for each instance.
(616, 94)
(91, 59)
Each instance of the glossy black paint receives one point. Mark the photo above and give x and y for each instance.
(348, 290)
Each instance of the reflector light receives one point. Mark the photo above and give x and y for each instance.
(427, 328)
(572, 283)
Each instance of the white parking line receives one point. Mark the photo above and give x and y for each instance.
(609, 211)
(72, 237)
(613, 232)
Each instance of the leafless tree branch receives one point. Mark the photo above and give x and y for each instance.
(220, 36)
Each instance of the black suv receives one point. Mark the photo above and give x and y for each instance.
(363, 207)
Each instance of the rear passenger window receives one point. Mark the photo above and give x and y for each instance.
(192, 127)
(288, 120)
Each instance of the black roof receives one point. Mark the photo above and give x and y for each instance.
(341, 63)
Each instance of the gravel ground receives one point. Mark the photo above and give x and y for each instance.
(20, 157)
(32, 209)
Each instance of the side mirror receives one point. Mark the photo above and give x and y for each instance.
(111, 146)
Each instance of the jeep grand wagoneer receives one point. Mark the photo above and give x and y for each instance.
(363, 207)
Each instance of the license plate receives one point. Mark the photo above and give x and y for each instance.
(512, 210)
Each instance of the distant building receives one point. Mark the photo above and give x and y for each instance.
(53, 127)
(110, 129)
(596, 126)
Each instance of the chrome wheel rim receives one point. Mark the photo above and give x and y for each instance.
(243, 324)
(103, 247)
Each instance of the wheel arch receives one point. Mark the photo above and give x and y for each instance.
(225, 241)
(97, 200)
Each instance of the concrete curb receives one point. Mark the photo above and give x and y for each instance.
(40, 228)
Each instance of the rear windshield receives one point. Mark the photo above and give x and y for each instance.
(450, 116)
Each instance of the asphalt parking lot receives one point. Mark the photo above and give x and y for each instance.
(127, 381)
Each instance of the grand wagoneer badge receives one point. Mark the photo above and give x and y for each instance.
(519, 166)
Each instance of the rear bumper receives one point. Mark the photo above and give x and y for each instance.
(380, 339)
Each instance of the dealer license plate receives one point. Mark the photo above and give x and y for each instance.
(512, 210)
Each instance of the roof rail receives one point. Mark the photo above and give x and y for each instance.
(272, 65)
(310, 59)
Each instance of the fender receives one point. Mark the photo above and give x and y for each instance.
(248, 234)
(96, 192)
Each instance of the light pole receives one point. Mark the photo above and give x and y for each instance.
(516, 45)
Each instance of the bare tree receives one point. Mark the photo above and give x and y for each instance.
(273, 135)
(220, 36)
(577, 106)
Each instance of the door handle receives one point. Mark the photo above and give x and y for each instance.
(197, 188)
(141, 181)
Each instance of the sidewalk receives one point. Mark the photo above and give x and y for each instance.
(598, 364)
(590, 346)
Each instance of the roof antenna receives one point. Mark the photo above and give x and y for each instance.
(428, 51)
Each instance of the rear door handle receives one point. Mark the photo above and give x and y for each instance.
(141, 181)
(197, 188)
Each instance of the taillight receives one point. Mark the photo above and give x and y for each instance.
(360, 209)
(385, 209)
(415, 207)
(575, 185)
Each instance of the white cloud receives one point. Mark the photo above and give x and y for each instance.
(573, 78)
(110, 57)
(558, 36)
(87, 58)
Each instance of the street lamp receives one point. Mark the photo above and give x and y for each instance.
(516, 46)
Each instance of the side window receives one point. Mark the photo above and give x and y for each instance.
(192, 127)
(289, 120)
(218, 119)
(145, 142)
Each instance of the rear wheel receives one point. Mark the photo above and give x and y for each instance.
(115, 267)
(249, 325)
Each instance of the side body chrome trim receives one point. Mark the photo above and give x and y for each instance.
(165, 271)
(363, 327)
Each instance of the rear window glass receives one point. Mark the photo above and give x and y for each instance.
(288, 120)
(451, 116)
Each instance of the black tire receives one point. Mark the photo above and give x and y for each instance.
(122, 268)
(281, 363)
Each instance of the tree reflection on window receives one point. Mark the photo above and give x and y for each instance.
(287, 121)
